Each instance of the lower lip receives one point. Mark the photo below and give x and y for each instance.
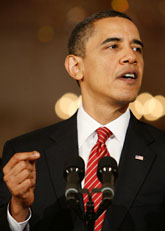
(128, 80)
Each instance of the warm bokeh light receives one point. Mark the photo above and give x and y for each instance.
(120, 5)
(79, 100)
(60, 112)
(162, 101)
(150, 117)
(153, 109)
(149, 106)
(156, 110)
(135, 108)
(143, 97)
(145, 105)
(75, 15)
(46, 33)
(139, 107)
(67, 105)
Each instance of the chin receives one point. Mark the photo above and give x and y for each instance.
(125, 100)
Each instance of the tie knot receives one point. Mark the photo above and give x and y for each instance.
(103, 134)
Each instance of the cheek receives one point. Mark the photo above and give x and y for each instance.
(100, 70)
(94, 71)
(141, 64)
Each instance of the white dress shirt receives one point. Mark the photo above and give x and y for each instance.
(87, 138)
(17, 226)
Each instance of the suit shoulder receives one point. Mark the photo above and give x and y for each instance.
(152, 130)
(38, 139)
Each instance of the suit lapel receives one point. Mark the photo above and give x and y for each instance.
(64, 146)
(135, 163)
(132, 172)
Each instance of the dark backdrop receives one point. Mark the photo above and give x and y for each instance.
(32, 74)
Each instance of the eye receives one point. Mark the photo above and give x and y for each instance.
(137, 49)
(113, 46)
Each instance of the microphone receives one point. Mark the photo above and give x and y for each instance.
(107, 172)
(74, 173)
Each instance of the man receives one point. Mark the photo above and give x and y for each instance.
(106, 58)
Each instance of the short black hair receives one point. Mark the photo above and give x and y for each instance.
(83, 31)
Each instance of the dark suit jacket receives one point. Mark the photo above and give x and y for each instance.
(139, 201)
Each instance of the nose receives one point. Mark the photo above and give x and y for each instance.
(129, 57)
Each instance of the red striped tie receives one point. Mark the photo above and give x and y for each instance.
(91, 180)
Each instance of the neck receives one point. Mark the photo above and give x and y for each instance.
(103, 113)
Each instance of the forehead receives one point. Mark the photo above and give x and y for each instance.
(114, 27)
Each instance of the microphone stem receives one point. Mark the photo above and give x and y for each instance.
(90, 213)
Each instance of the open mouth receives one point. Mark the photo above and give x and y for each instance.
(129, 76)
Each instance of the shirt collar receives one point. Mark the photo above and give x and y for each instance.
(87, 125)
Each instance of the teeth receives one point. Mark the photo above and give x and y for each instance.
(130, 75)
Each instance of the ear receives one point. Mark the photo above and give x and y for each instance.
(73, 65)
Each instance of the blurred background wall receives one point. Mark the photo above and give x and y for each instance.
(33, 46)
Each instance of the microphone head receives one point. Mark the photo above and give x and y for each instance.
(109, 163)
(75, 164)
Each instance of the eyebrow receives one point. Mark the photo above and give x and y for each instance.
(115, 39)
(111, 40)
(138, 42)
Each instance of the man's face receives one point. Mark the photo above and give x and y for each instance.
(113, 62)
